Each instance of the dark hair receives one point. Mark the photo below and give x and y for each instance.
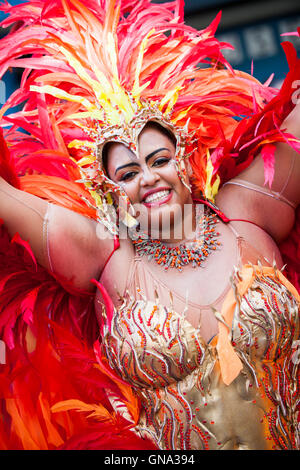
(153, 124)
(105, 155)
(163, 131)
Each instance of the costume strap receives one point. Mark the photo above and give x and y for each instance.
(254, 187)
(115, 248)
(221, 214)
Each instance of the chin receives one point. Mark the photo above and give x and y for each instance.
(162, 220)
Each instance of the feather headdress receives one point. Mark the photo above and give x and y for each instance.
(93, 74)
(100, 72)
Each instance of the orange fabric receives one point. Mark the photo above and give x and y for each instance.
(230, 363)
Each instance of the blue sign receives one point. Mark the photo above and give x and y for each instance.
(257, 47)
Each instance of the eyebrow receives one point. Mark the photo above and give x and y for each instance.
(136, 163)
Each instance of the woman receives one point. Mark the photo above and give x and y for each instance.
(169, 310)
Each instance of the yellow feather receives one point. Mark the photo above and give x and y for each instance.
(122, 101)
(210, 190)
(103, 80)
(111, 47)
(78, 144)
(170, 97)
(63, 95)
(96, 114)
(109, 199)
(182, 114)
(95, 85)
(104, 96)
(97, 198)
(86, 161)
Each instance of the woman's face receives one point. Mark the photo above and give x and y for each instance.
(150, 180)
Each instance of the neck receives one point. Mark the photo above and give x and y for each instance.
(181, 230)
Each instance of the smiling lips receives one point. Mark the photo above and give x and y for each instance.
(157, 197)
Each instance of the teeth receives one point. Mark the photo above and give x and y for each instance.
(156, 196)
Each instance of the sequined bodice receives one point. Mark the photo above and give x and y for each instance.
(161, 347)
(177, 375)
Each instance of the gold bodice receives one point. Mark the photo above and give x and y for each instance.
(186, 404)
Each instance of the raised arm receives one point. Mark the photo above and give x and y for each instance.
(273, 209)
(63, 241)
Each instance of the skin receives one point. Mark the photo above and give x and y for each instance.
(87, 252)
(149, 172)
(153, 169)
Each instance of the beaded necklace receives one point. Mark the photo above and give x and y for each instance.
(195, 252)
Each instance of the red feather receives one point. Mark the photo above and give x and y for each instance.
(49, 363)
(43, 319)
(7, 167)
(268, 156)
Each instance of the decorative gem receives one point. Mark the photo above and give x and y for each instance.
(195, 252)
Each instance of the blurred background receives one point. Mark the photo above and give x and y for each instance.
(253, 27)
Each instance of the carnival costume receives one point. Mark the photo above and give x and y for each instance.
(96, 74)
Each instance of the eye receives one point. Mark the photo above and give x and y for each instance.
(129, 175)
(160, 161)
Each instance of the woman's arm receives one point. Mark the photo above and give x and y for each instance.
(73, 246)
(246, 197)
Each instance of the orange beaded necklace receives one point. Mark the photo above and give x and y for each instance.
(195, 252)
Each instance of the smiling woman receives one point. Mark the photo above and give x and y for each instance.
(164, 319)
(151, 181)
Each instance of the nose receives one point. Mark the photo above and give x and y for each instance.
(149, 177)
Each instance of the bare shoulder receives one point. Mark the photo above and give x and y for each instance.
(273, 216)
(77, 246)
(271, 207)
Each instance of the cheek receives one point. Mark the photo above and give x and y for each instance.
(177, 184)
(169, 174)
(131, 189)
(184, 195)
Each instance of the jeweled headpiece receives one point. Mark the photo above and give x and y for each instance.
(99, 73)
